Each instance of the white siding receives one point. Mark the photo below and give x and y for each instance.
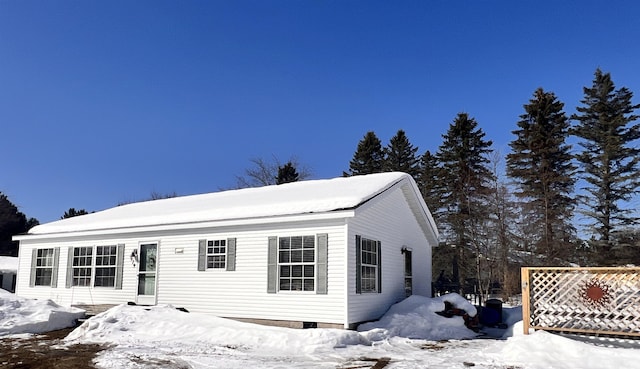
(236, 294)
(388, 219)
(76, 295)
(243, 293)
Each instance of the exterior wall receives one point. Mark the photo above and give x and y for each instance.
(76, 295)
(235, 294)
(243, 293)
(389, 220)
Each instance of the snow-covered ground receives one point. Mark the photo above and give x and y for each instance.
(19, 315)
(410, 335)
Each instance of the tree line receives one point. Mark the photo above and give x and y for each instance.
(491, 223)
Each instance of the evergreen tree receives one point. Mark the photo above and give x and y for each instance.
(428, 182)
(286, 174)
(609, 156)
(265, 172)
(368, 158)
(540, 162)
(465, 177)
(401, 156)
(12, 222)
(72, 212)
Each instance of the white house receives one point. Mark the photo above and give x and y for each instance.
(8, 270)
(326, 253)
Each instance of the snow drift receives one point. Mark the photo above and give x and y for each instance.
(20, 315)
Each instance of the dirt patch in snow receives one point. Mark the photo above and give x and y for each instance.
(46, 351)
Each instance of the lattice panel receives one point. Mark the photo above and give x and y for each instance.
(588, 300)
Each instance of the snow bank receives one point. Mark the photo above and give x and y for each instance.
(8, 264)
(162, 324)
(20, 315)
(542, 350)
(415, 317)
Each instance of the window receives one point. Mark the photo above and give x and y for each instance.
(408, 273)
(44, 267)
(296, 263)
(216, 254)
(100, 266)
(106, 259)
(82, 266)
(369, 267)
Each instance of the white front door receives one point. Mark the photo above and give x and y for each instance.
(147, 268)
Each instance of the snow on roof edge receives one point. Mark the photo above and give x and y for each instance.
(297, 198)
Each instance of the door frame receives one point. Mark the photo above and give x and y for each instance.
(145, 299)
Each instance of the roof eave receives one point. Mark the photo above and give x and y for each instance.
(336, 214)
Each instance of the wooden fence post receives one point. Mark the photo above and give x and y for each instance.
(526, 303)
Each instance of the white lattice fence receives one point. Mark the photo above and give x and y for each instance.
(603, 301)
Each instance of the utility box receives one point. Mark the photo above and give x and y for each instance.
(492, 312)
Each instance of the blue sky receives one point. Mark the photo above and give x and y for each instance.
(103, 102)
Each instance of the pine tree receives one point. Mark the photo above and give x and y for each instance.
(609, 156)
(401, 156)
(540, 162)
(12, 222)
(428, 182)
(287, 174)
(72, 212)
(368, 158)
(465, 177)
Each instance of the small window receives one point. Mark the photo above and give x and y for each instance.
(369, 266)
(296, 263)
(82, 266)
(106, 257)
(216, 254)
(43, 267)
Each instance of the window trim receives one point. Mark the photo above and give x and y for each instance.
(230, 258)
(215, 263)
(109, 266)
(53, 280)
(291, 252)
(321, 254)
(87, 256)
(361, 264)
(117, 266)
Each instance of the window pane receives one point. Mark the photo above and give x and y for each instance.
(296, 284)
(308, 284)
(296, 270)
(285, 243)
(308, 271)
(284, 256)
(285, 271)
(309, 242)
(296, 256)
(296, 242)
(285, 285)
(308, 256)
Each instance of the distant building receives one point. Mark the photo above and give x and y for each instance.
(320, 253)
(8, 272)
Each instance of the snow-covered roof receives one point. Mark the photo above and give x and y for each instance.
(314, 196)
(8, 264)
